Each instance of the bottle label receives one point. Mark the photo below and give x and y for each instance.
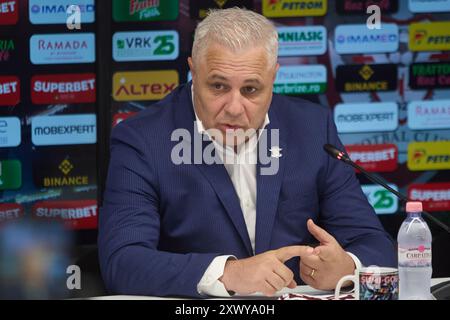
(414, 257)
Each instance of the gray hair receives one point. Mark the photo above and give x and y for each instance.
(236, 29)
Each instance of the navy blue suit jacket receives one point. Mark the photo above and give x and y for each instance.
(162, 224)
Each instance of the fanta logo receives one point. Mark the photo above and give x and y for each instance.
(138, 6)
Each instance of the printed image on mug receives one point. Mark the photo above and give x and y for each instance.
(372, 283)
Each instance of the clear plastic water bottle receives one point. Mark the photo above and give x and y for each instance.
(414, 255)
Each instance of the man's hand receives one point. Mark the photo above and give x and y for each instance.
(329, 262)
(264, 272)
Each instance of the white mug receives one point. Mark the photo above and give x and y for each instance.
(372, 283)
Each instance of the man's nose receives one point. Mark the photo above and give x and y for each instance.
(235, 106)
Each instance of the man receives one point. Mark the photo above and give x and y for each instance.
(171, 227)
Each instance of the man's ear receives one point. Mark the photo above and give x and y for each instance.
(191, 67)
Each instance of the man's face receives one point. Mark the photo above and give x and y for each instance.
(232, 91)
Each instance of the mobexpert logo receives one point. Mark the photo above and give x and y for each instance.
(144, 85)
(145, 10)
(429, 114)
(10, 135)
(63, 130)
(431, 36)
(301, 79)
(9, 12)
(293, 8)
(434, 196)
(76, 214)
(62, 48)
(429, 156)
(146, 45)
(366, 117)
(63, 88)
(9, 90)
(383, 201)
(357, 38)
(429, 5)
(55, 11)
(7, 49)
(302, 41)
(374, 158)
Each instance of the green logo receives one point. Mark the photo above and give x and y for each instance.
(121, 44)
(145, 10)
(10, 174)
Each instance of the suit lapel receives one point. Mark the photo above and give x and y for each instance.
(268, 186)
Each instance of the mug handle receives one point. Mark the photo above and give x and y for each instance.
(350, 277)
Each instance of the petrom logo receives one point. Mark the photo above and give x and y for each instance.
(430, 36)
(429, 156)
(293, 8)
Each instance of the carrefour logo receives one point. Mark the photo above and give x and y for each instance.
(146, 45)
(357, 38)
(55, 11)
(382, 200)
(302, 41)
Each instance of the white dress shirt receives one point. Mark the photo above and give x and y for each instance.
(241, 167)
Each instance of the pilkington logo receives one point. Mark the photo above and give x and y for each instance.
(429, 156)
(293, 8)
(431, 36)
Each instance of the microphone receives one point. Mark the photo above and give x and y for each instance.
(342, 156)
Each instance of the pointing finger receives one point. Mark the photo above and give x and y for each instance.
(286, 253)
(319, 233)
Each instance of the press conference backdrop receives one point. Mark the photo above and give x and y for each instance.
(61, 91)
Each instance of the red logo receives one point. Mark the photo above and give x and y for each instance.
(9, 90)
(119, 117)
(63, 88)
(374, 158)
(75, 214)
(9, 12)
(434, 196)
(10, 211)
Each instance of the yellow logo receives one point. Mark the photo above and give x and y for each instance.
(429, 156)
(144, 85)
(220, 3)
(65, 166)
(366, 72)
(293, 8)
(431, 36)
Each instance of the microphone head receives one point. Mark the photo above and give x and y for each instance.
(335, 152)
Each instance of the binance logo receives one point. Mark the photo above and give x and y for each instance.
(65, 166)
(366, 72)
(220, 3)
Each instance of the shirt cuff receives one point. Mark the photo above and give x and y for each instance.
(210, 284)
(358, 264)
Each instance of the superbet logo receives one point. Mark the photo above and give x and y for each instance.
(9, 90)
(9, 12)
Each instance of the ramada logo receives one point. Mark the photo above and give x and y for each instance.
(434, 196)
(9, 12)
(75, 214)
(10, 211)
(63, 88)
(424, 115)
(9, 90)
(374, 158)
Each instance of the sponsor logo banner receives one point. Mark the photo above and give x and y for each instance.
(9, 90)
(199, 8)
(429, 114)
(383, 201)
(429, 156)
(357, 38)
(10, 133)
(64, 130)
(144, 85)
(146, 45)
(429, 75)
(362, 78)
(366, 117)
(119, 117)
(7, 49)
(9, 12)
(302, 41)
(374, 158)
(67, 167)
(10, 211)
(75, 214)
(62, 48)
(293, 8)
(431, 36)
(434, 196)
(63, 88)
(10, 174)
(429, 5)
(55, 11)
(301, 79)
(145, 10)
(360, 6)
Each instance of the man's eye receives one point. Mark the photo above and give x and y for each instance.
(218, 86)
(248, 90)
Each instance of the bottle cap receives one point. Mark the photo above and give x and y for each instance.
(414, 206)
